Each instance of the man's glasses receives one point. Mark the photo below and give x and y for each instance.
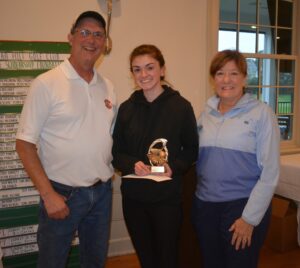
(86, 33)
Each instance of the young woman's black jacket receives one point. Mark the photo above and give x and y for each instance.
(138, 124)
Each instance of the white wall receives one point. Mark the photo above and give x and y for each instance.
(177, 27)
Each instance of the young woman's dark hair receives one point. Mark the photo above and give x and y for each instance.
(150, 50)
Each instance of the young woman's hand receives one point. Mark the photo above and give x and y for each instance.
(168, 171)
(141, 169)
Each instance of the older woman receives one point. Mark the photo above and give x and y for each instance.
(237, 168)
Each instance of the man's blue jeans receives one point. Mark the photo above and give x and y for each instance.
(90, 214)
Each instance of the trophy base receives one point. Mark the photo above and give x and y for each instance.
(157, 169)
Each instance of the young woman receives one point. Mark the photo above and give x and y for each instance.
(152, 209)
(237, 168)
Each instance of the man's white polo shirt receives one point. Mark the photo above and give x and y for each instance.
(70, 121)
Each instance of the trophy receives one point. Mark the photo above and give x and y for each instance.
(158, 155)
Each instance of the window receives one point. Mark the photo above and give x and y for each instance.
(263, 31)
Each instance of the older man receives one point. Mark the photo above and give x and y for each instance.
(64, 141)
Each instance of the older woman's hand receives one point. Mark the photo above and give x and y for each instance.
(242, 234)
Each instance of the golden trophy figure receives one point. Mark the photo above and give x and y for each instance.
(158, 155)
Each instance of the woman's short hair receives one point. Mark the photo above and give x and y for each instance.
(222, 57)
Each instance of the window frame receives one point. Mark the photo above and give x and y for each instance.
(213, 8)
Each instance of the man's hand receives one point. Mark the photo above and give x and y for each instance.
(55, 205)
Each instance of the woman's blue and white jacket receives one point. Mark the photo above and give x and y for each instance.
(239, 155)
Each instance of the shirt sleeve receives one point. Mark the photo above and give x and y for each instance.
(122, 161)
(189, 141)
(268, 159)
(34, 113)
